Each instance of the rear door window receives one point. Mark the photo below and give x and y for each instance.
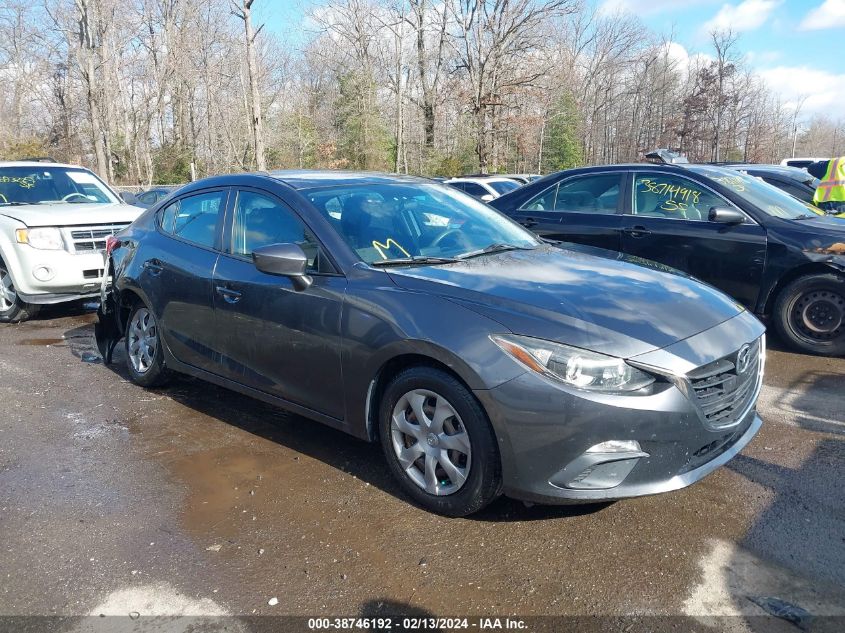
(597, 194)
(194, 218)
(545, 201)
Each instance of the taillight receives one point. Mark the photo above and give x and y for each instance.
(111, 243)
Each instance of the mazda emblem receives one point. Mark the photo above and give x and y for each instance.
(743, 359)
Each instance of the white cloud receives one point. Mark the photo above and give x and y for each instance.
(641, 7)
(683, 60)
(745, 16)
(823, 90)
(830, 14)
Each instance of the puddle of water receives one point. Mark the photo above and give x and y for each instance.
(42, 342)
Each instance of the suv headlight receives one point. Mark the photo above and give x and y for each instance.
(573, 366)
(48, 238)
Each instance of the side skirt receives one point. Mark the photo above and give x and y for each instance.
(305, 412)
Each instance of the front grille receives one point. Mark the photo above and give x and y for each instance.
(91, 239)
(724, 389)
(94, 273)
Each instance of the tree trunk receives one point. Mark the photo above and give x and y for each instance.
(255, 94)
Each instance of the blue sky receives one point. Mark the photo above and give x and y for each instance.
(798, 46)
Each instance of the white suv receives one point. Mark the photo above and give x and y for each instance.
(54, 222)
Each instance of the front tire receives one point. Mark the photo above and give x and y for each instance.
(144, 353)
(439, 443)
(12, 309)
(809, 314)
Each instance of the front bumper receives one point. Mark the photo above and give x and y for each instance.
(69, 276)
(545, 431)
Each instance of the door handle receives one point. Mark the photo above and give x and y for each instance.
(229, 295)
(153, 266)
(636, 231)
(528, 222)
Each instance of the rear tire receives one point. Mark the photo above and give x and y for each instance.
(448, 462)
(12, 309)
(809, 314)
(144, 353)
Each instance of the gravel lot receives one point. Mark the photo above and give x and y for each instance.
(196, 500)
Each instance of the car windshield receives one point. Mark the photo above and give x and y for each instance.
(43, 184)
(503, 186)
(416, 222)
(762, 195)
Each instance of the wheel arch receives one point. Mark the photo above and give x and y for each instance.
(805, 270)
(392, 367)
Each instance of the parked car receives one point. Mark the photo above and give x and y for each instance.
(756, 243)
(522, 179)
(405, 312)
(152, 196)
(54, 221)
(484, 188)
(794, 181)
(800, 163)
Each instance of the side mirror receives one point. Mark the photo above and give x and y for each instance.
(128, 197)
(285, 260)
(487, 197)
(724, 215)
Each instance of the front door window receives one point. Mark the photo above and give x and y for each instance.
(667, 196)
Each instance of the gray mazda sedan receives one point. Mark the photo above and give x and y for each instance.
(483, 359)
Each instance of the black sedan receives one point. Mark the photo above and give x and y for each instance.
(796, 182)
(403, 311)
(771, 252)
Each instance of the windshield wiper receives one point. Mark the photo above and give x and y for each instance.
(494, 248)
(417, 259)
(15, 204)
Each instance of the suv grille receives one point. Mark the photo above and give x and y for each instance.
(93, 238)
(724, 389)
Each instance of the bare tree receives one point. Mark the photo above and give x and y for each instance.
(244, 12)
(495, 39)
(724, 43)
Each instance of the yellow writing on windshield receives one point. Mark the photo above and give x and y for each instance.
(387, 245)
(734, 182)
(27, 182)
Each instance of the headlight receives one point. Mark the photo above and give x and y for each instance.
(42, 238)
(572, 366)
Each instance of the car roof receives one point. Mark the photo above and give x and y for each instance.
(793, 173)
(481, 179)
(39, 163)
(312, 178)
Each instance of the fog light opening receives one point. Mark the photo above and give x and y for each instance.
(43, 273)
(616, 446)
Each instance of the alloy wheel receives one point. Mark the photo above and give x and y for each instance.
(143, 340)
(431, 442)
(8, 295)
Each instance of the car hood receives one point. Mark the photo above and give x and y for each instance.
(65, 214)
(580, 296)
